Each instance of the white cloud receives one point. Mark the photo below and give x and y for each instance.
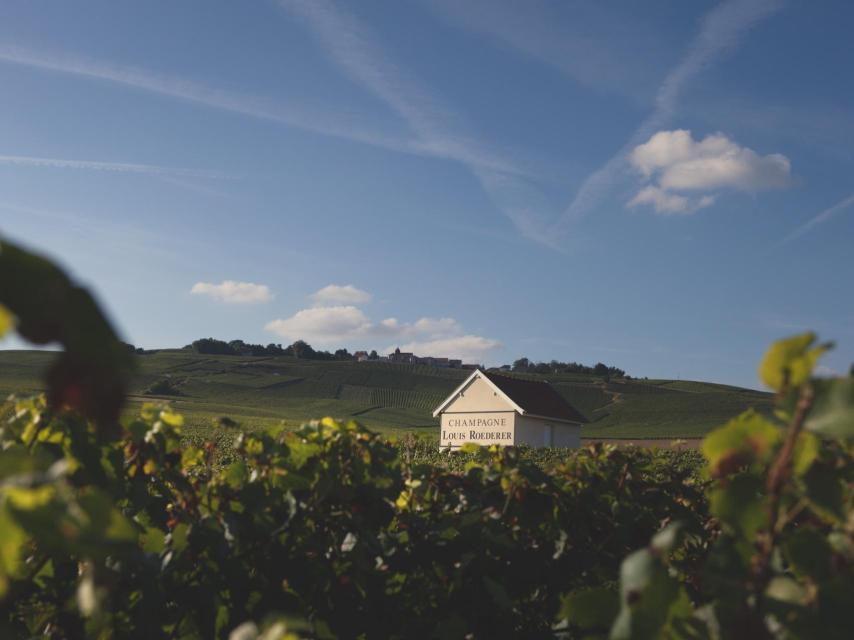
(712, 163)
(665, 202)
(323, 325)
(469, 348)
(721, 30)
(347, 325)
(437, 327)
(676, 162)
(337, 294)
(233, 292)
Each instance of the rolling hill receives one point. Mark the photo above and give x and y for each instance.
(263, 391)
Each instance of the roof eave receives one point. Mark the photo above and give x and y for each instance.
(478, 373)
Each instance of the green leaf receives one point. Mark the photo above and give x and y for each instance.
(593, 608)
(790, 362)
(7, 321)
(12, 540)
(497, 591)
(650, 598)
(742, 442)
(470, 447)
(665, 540)
(235, 474)
(26, 499)
(172, 419)
(824, 491)
(741, 505)
(153, 540)
(119, 528)
(805, 453)
(832, 415)
(786, 589)
(191, 457)
(179, 537)
(92, 374)
(17, 460)
(810, 554)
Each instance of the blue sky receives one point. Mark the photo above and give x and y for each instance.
(662, 186)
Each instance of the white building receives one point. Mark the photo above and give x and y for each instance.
(490, 408)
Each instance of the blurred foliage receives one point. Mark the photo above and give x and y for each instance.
(91, 374)
(779, 545)
(329, 525)
(331, 531)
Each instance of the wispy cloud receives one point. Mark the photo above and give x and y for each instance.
(818, 219)
(95, 165)
(438, 130)
(233, 292)
(721, 30)
(313, 118)
(583, 48)
(340, 294)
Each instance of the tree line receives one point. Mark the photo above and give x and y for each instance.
(299, 349)
(523, 365)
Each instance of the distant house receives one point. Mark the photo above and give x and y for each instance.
(402, 356)
(407, 357)
(491, 408)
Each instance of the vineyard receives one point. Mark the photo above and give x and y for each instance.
(259, 392)
(123, 524)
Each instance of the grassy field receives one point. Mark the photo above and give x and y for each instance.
(259, 392)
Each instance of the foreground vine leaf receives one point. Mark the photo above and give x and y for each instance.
(790, 362)
(7, 321)
(833, 413)
(91, 374)
(744, 441)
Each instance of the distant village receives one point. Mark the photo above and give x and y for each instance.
(301, 349)
(406, 357)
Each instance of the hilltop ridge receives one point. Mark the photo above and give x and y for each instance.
(262, 390)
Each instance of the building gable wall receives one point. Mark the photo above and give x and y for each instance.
(478, 396)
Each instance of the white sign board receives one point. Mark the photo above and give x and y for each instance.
(480, 428)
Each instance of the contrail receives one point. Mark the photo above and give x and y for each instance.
(338, 125)
(721, 30)
(121, 167)
(822, 217)
(354, 49)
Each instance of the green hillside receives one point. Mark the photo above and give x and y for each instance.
(262, 391)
